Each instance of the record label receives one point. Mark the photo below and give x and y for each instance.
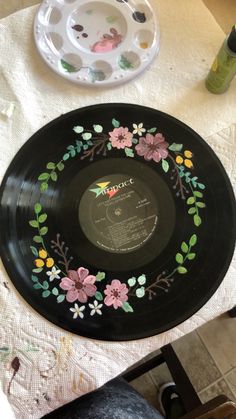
(118, 213)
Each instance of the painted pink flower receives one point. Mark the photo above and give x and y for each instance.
(152, 147)
(121, 137)
(116, 294)
(79, 285)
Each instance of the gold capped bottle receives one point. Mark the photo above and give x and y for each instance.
(223, 68)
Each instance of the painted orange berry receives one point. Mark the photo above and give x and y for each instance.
(188, 163)
(49, 262)
(39, 263)
(179, 160)
(188, 154)
(42, 253)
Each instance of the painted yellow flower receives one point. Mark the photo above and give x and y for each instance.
(43, 260)
(185, 159)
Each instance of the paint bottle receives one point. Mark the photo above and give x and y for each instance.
(223, 68)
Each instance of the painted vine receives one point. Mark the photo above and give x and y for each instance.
(53, 275)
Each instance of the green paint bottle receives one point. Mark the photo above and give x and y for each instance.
(223, 68)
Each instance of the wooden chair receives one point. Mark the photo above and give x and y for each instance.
(193, 406)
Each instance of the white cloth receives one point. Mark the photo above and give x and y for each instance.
(56, 366)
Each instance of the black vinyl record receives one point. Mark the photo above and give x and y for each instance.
(117, 221)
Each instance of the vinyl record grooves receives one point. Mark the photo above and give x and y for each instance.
(117, 221)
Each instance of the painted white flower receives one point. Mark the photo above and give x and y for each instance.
(138, 129)
(96, 308)
(78, 311)
(53, 274)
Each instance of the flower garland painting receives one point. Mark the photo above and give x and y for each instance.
(56, 275)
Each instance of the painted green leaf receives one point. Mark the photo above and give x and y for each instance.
(165, 165)
(197, 220)
(191, 256)
(127, 307)
(85, 146)
(69, 68)
(109, 146)
(97, 128)
(45, 285)
(46, 294)
(152, 130)
(184, 247)
(34, 278)
(142, 279)
(34, 250)
(78, 129)
(37, 270)
(33, 223)
(175, 147)
(132, 281)
(179, 258)
(190, 200)
(43, 176)
(86, 136)
(61, 298)
(43, 186)
(124, 63)
(192, 210)
(55, 291)
(37, 286)
(140, 292)
(73, 152)
(111, 19)
(66, 156)
(200, 204)
(37, 239)
(51, 165)
(201, 186)
(198, 194)
(134, 140)
(60, 166)
(193, 240)
(129, 152)
(43, 231)
(98, 296)
(37, 208)
(182, 270)
(100, 276)
(43, 218)
(54, 176)
(115, 123)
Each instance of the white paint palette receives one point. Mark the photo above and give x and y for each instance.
(96, 42)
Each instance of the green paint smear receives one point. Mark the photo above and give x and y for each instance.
(69, 68)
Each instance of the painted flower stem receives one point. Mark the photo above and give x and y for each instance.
(62, 251)
(160, 282)
(178, 182)
(42, 241)
(98, 147)
(195, 204)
